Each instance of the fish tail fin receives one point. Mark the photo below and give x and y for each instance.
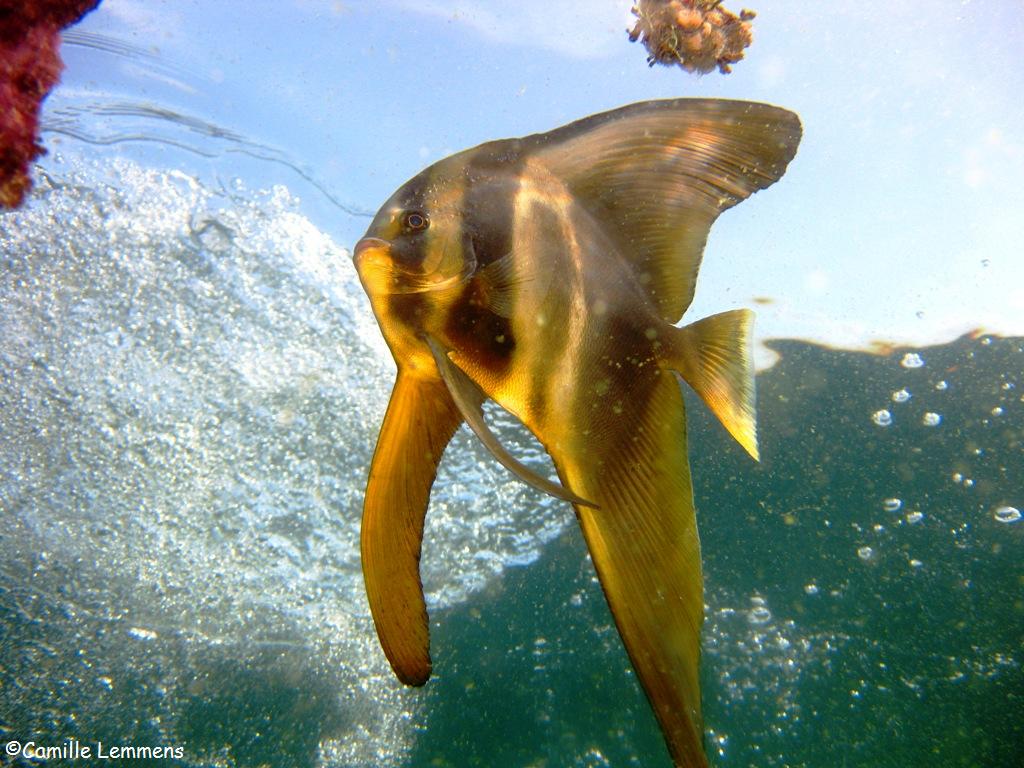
(714, 356)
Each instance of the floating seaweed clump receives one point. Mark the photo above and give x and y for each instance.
(30, 66)
(698, 35)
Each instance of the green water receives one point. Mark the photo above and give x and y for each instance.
(888, 663)
(839, 632)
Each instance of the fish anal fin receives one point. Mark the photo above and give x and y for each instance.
(420, 420)
(643, 541)
(714, 356)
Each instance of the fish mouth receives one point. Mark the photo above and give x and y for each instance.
(368, 245)
(380, 274)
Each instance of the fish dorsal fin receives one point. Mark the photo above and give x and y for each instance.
(656, 174)
(468, 399)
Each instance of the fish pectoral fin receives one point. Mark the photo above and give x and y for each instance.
(644, 544)
(420, 420)
(502, 279)
(714, 356)
(469, 398)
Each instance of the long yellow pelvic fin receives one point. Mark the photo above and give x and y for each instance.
(713, 356)
(420, 420)
(468, 398)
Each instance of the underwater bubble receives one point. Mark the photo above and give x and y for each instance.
(957, 477)
(912, 360)
(882, 418)
(865, 553)
(892, 505)
(915, 563)
(997, 411)
(968, 482)
(931, 419)
(811, 589)
(594, 758)
(942, 385)
(759, 614)
(915, 517)
(901, 396)
(1007, 514)
(720, 740)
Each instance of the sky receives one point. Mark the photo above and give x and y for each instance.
(899, 221)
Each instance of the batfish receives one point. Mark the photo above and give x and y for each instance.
(548, 273)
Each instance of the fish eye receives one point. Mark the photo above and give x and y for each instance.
(416, 221)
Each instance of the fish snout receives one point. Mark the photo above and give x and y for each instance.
(368, 245)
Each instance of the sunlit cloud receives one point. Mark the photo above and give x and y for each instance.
(156, 21)
(993, 158)
(578, 29)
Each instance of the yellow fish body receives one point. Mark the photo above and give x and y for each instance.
(547, 273)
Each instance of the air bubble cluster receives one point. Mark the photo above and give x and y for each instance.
(882, 418)
(912, 360)
(1007, 514)
(901, 396)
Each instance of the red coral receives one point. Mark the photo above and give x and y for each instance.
(30, 66)
(698, 35)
